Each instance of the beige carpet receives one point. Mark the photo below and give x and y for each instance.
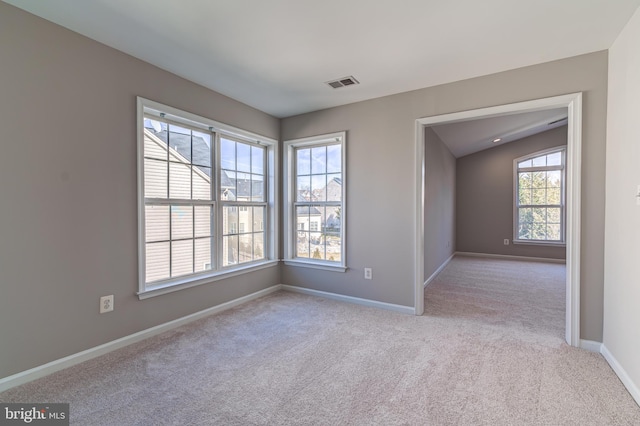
(489, 351)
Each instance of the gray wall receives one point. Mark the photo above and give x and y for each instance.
(622, 248)
(380, 167)
(440, 203)
(68, 221)
(484, 196)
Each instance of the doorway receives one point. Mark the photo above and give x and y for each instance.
(573, 103)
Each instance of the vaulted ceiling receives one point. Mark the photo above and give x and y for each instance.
(277, 55)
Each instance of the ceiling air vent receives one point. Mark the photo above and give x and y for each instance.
(342, 82)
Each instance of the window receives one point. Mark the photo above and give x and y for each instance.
(539, 202)
(315, 191)
(199, 183)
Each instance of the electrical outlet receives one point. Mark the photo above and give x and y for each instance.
(506, 241)
(106, 304)
(368, 273)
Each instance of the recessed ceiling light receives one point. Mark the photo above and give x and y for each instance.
(496, 140)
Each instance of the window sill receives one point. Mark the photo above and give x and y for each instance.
(540, 243)
(315, 265)
(170, 287)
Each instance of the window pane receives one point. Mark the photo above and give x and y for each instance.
(202, 221)
(302, 244)
(538, 231)
(155, 179)
(303, 187)
(524, 197)
(181, 258)
(258, 219)
(257, 188)
(317, 246)
(554, 179)
(524, 231)
(334, 159)
(157, 261)
(334, 187)
(538, 196)
(525, 215)
(154, 147)
(228, 185)
(539, 180)
(201, 178)
(526, 163)
(332, 228)
(244, 157)
(539, 215)
(318, 184)
(554, 159)
(258, 246)
(227, 154)
(553, 215)
(179, 181)
(180, 143)
(156, 128)
(230, 250)
(201, 145)
(302, 221)
(553, 196)
(540, 161)
(257, 160)
(524, 180)
(245, 219)
(230, 220)
(156, 223)
(202, 255)
(319, 160)
(553, 232)
(243, 182)
(181, 222)
(303, 162)
(245, 250)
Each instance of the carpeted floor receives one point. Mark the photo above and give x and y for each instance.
(489, 351)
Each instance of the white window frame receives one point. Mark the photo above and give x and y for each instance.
(146, 107)
(290, 225)
(516, 199)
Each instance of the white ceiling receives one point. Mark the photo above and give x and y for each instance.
(276, 55)
(467, 137)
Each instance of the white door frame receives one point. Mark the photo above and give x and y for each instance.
(573, 102)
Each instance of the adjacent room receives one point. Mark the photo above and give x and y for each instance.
(320, 213)
(496, 188)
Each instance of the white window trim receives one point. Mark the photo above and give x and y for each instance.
(515, 239)
(148, 107)
(289, 196)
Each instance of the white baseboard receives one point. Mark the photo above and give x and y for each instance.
(590, 345)
(510, 257)
(633, 389)
(77, 358)
(437, 271)
(350, 299)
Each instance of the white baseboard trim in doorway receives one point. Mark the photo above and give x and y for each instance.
(71, 360)
(633, 388)
(510, 257)
(590, 345)
(437, 271)
(350, 299)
